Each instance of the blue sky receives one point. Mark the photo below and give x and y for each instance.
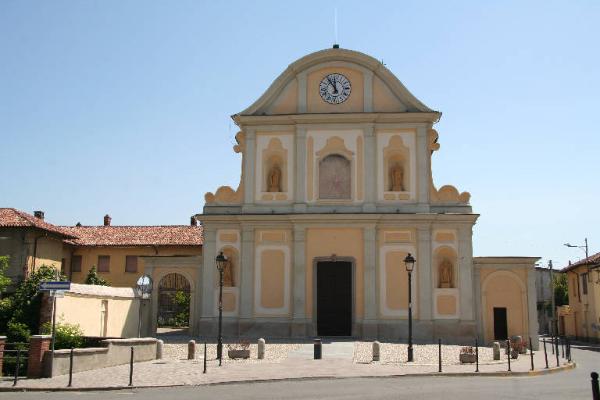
(122, 107)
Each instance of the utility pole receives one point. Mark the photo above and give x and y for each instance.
(554, 324)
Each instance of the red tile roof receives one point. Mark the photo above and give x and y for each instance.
(10, 217)
(592, 260)
(173, 235)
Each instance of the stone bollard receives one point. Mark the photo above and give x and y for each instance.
(261, 348)
(496, 347)
(159, 349)
(191, 349)
(376, 346)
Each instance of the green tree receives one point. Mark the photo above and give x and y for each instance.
(561, 289)
(6, 304)
(27, 299)
(93, 278)
(181, 300)
(5, 281)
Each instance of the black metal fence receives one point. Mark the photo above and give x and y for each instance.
(15, 358)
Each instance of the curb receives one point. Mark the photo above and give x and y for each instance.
(503, 374)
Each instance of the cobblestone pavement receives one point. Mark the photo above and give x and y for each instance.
(173, 370)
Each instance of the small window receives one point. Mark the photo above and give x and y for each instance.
(76, 264)
(584, 282)
(131, 263)
(103, 263)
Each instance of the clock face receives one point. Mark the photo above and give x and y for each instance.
(335, 88)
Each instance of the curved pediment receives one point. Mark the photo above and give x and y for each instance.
(374, 89)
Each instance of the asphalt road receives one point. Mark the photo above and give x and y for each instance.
(571, 385)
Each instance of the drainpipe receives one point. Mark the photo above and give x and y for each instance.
(35, 244)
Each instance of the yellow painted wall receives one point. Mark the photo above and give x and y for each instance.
(287, 102)
(121, 320)
(49, 250)
(446, 305)
(117, 275)
(396, 281)
(344, 242)
(504, 290)
(584, 316)
(272, 279)
(383, 99)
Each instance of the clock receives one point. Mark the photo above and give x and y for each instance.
(335, 88)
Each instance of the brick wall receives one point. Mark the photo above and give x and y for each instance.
(38, 345)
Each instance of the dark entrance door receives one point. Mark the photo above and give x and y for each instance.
(334, 298)
(500, 324)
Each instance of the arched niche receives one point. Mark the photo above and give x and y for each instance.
(334, 170)
(396, 166)
(274, 173)
(232, 268)
(446, 266)
(335, 178)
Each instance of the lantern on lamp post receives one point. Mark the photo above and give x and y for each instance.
(409, 263)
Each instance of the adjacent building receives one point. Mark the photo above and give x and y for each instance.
(581, 318)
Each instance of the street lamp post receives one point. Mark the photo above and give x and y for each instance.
(409, 262)
(143, 289)
(221, 261)
(584, 247)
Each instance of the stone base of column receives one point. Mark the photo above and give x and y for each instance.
(299, 328)
(369, 208)
(300, 207)
(370, 329)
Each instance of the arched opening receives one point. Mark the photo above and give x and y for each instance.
(173, 301)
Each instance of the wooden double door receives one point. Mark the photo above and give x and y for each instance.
(334, 298)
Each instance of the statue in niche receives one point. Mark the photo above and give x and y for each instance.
(445, 274)
(397, 178)
(228, 274)
(274, 179)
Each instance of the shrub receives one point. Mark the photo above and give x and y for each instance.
(181, 300)
(66, 335)
(18, 332)
(27, 298)
(93, 278)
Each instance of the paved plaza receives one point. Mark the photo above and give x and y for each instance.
(284, 361)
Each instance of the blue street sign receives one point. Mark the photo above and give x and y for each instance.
(55, 286)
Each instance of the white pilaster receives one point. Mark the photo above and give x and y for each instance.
(465, 272)
(370, 282)
(532, 307)
(249, 166)
(247, 273)
(423, 168)
(299, 283)
(370, 171)
(423, 269)
(208, 273)
(300, 178)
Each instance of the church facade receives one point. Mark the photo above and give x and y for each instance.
(336, 190)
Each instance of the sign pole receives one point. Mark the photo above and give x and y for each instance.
(53, 294)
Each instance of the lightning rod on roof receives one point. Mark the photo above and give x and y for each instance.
(335, 29)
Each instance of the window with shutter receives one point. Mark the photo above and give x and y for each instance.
(103, 263)
(131, 263)
(76, 264)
